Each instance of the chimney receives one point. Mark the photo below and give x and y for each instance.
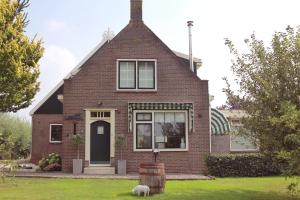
(136, 7)
(190, 25)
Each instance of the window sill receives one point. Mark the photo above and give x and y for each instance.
(55, 142)
(133, 90)
(161, 150)
(244, 150)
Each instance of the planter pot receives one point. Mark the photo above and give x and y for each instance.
(77, 166)
(121, 167)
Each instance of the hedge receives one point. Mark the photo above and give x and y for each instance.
(242, 165)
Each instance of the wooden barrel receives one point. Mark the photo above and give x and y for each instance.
(153, 175)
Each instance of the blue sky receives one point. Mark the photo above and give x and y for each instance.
(71, 29)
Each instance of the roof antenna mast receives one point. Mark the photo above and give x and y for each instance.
(190, 25)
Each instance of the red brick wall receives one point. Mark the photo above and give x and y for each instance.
(176, 83)
(40, 136)
(69, 151)
(220, 144)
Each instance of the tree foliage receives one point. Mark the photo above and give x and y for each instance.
(77, 140)
(268, 79)
(19, 56)
(15, 137)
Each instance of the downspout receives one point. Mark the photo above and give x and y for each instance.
(211, 98)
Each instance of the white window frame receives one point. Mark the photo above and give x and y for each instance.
(50, 132)
(153, 134)
(136, 76)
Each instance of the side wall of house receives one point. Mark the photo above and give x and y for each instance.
(41, 135)
(96, 82)
(220, 143)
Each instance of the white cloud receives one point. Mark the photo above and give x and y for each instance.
(53, 53)
(55, 25)
(56, 63)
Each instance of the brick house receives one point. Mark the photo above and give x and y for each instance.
(132, 85)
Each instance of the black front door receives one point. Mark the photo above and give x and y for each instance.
(100, 143)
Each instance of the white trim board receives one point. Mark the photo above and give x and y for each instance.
(77, 69)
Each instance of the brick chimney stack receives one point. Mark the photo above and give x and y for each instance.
(136, 7)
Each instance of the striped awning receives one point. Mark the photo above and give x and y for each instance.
(160, 106)
(219, 123)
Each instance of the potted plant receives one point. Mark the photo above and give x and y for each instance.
(77, 139)
(121, 164)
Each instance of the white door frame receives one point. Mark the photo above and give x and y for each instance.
(88, 121)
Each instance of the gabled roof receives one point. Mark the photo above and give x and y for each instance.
(84, 60)
(234, 113)
(69, 75)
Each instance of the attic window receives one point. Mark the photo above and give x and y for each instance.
(136, 75)
(127, 75)
(146, 76)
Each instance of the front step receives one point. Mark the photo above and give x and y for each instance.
(100, 170)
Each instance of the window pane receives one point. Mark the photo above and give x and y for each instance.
(143, 116)
(241, 143)
(169, 117)
(159, 117)
(144, 136)
(106, 114)
(179, 128)
(146, 75)
(127, 75)
(159, 137)
(179, 117)
(93, 114)
(56, 133)
(169, 130)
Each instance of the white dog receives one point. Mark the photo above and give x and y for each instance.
(141, 189)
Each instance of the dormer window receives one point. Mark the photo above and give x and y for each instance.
(136, 75)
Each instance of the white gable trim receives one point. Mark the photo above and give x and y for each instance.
(69, 75)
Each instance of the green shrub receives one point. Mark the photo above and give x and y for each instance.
(7, 167)
(43, 163)
(54, 158)
(247, 165)
(46, 163)
(53, 167)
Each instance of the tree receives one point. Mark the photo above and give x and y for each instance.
(77, 140)
(19, 56)
(268, 79)
(15, 137)
(121, 142)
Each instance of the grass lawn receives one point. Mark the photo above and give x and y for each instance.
(271, 188)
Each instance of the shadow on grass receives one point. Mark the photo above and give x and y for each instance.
(202, 194)
(128, 195)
